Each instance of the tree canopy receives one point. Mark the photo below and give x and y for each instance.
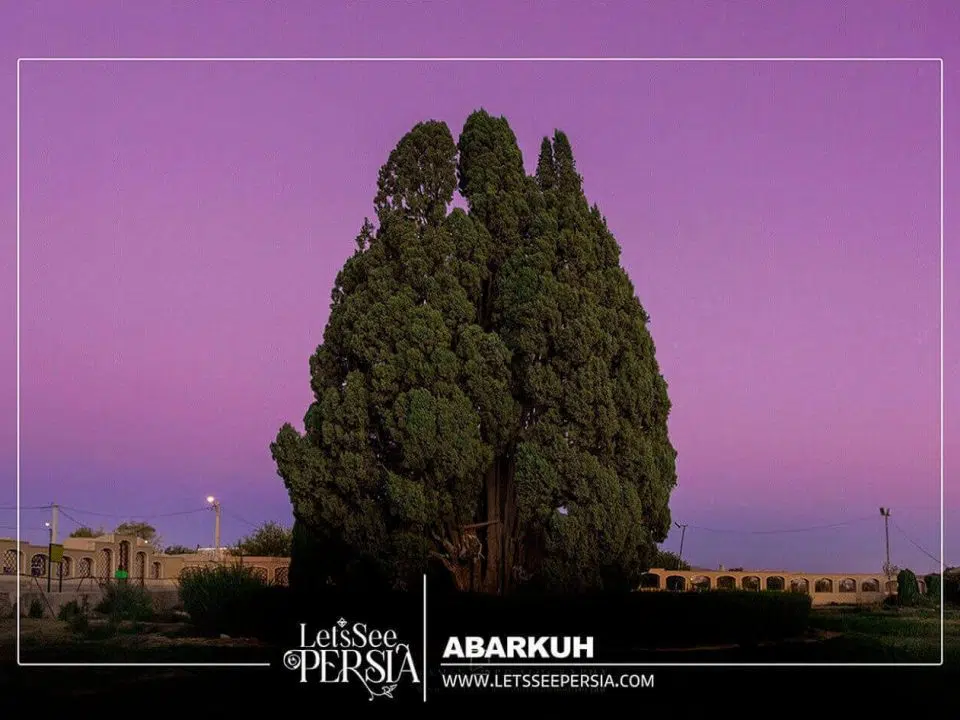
(487, 400)
(87, 532)
(142, 530)
(270, 539)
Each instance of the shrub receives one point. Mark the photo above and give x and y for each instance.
(224, 599)
(36, 609)
(933, 585)
(123, 601)
(951, 586)
(69, 611)
(908, 590)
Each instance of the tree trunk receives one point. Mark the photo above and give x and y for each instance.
(494, 548)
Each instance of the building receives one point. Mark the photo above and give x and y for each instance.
(88, 563)
(824, 588)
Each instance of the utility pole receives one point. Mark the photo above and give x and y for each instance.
(54, 522)
(216, 526)
(885, 512)
(49, 555)
(683, 532)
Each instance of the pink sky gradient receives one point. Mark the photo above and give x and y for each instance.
(182, 224)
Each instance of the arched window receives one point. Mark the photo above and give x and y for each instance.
(155, 571)
(38, 565)
(776, 583)
(848, 585)
(650, 581)
(105, 564)
(726, 582)
(751, 583)
(676, 583)
(800, 585)
(700, 582)
(66, 567)
(123, 562)
(281, 576)
(259, 572)
(86, 568)
(870, 586)
(823, 585)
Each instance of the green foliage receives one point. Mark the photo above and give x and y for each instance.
(125, 601)
(269, 540)
(669, 561)
(223, 599)
(142, 530)
(951, 585)
(908, 589)
(178, 550)
(35, 610)
(933, 583)
(87, 532)
(480, 370)
(76, 615)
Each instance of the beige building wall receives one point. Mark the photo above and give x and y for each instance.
(90, 561)
(824, 589)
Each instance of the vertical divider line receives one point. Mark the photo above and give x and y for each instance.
(424, 637)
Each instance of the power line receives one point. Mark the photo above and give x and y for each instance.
(787, 530)
(27, 507)
(237, 517)
(135, 517)
(917, 545)
(72, 519)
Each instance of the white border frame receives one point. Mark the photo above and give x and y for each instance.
(938, 60)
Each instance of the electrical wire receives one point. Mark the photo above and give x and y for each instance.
(917, 545)
(788, 530)
(237, 517)
(135, 517)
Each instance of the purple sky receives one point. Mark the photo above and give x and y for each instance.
(182, 224)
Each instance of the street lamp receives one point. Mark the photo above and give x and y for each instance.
(49, 527)
(216, 528)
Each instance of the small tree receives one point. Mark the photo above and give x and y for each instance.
(142, 530)
(87, 532)
(908, 590)
(669, 561)
(178, 550)
(933, 585)
(269, 540)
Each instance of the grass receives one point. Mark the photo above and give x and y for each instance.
(892, 635)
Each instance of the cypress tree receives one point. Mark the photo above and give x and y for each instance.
(487, 396)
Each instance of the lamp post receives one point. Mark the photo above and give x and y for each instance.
(885, 512)
(683, 532)
(49, 527)
(216, 527)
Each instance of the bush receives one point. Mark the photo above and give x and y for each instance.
(69, 611)
(123, 601)
(36, 609)
(908, 589)
(951, 587)
(226, 599)
(933, 585)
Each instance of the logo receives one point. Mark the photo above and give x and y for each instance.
(348, 653)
